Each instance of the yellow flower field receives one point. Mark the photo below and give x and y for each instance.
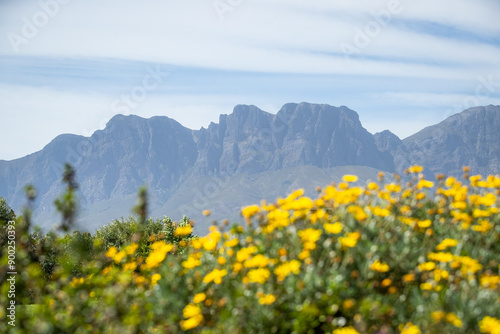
(412, 256)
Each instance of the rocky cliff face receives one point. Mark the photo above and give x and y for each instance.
(470, 138)
(387, 141)
(251, 140)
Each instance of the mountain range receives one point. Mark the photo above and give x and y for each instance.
(247, 156)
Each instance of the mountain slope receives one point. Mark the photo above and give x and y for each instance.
(187, 171)
(470, 138)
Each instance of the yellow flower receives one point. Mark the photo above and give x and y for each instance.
(450, 181)
(130, 266)
(231, 243)
(454, 320)
(475, 179)
(221, 260)
(410, 328)
(286, 268)
(478, 213)
(192, 261)
(446, 243)
(111, 252)
(488, 199)
(489, 325)
(130, 249)
(304, 254)
(237, 267)
(191, 310)
(427, 266)
(386, 282)
(350, 178)
(191, 322)
(484, 226)
(267, 299)
(309, 237)
(438, 274)
(335, 228)
(209, 242)
(378, 211)
(76, 282)
(193, 315)
(318, 214)
(357, 212)
(415, 169)
(119, 256)
(206, 212)
(393, 188)
(154, 279)
(140, 280)
(425, 184)
(106, 270)
(348, 303)
(438, 316)
(440, 257)
(468, 265)
(350, 240)
(408, 278)
(183, 230)
(490, 282)
(258, 260)
(302, 203)
(158, 254)
(250, 211)
(199, 297)
(345, 330)
(260, 275)
(426, 286)
(215, 276)
(244, 253)
(381, 267)
(424, 223)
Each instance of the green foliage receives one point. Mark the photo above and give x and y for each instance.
(141, 208)
(122, 232)
(67, 203)
(6, 213)
(30, 192)
(391, 258)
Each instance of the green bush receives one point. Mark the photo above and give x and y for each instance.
(6, 215)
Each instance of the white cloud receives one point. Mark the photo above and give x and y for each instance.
(262, 35)
(437, 100)
(280, 36)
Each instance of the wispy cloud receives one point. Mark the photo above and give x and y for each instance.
(414, 59)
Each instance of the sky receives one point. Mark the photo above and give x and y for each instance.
(68, 66)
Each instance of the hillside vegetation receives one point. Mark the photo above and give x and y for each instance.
(410, 256)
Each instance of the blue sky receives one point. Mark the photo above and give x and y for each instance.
(67, 66)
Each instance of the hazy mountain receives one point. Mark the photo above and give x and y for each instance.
(387, 141)
(248, 155)
(251, 140)
(470, 138)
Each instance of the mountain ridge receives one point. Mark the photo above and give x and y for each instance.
(131, 151)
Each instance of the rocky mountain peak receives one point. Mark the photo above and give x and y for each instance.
(131, 151)
(470, 138)
(387, 141)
